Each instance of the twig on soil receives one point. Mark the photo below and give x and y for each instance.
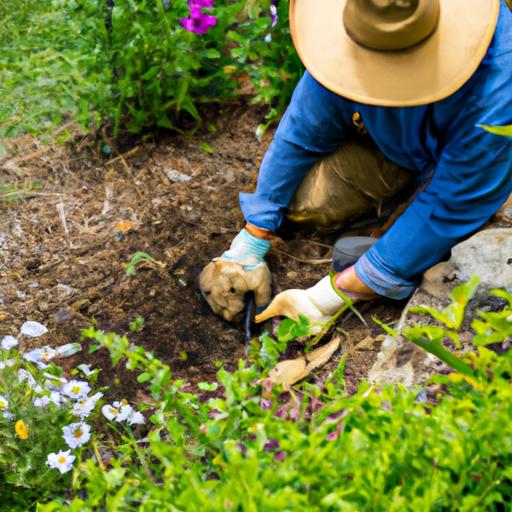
(314, 242)
(106, 202)
(62, 217)
(302, 260)
(123, 156)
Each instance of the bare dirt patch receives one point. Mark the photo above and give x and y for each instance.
(62, 248)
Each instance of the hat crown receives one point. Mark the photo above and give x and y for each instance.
(390, 24)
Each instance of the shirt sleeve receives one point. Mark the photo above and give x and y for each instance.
(315, 124)
(473, 178)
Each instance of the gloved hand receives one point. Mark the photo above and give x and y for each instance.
(225, 281)
(320, 302)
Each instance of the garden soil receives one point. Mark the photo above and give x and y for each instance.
(63, 247)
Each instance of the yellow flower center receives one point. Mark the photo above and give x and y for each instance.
(3, 405)
(77, 433)
(75, 390)
(61, 459)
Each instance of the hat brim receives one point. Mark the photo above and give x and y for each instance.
(427, 72)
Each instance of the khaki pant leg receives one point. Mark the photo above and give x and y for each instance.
(356, 179)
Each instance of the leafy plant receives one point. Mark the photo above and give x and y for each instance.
(494, 327)
(243, 444)
(137, 325)
(138, 259)
(248, 447)
(131, 65)
(453, 315)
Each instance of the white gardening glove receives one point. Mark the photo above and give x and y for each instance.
(225, 281)
(318, 303)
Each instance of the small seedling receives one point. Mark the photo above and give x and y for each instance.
(141, 259)
(137, 325)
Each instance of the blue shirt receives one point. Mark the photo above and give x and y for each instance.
(472, 168)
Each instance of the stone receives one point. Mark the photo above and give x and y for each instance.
(177, 176)
(488, 255)
(33, 329)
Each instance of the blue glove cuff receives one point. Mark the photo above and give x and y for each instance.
(247, 250)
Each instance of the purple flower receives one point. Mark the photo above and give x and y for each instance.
(198, 22)
(273, 13)
(265, 404)
(294, 413)
(280, 413)
(332, 436)
(386, 405)
(203, 4)
(266, 387)
(280, 456)
(271, 445)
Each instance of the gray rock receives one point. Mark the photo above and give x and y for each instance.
(488, 254)
(177, 176)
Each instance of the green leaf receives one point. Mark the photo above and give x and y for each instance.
(505, 131)
(291, 330)
(387, 328)
(143, 377)
(205, 147)
(453, 315)
(207, 386)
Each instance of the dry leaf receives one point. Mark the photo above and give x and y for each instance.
(291, 371)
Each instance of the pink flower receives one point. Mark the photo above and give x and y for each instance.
(280, 456)
(265, 404)
(198, 22)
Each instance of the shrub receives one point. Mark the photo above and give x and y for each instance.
(133, 66)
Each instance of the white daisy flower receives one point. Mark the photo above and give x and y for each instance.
(63, 461)
(76, 434)
(31, 382)
(136, 418)
(86, 369)
(68, 350)
(33, 329)
(57, 398)
(118, 411)
(7, 363)
(41, 401)
(41, 356)
(4, 403)
(8, 342)
(76, 389)
(85, 406)
(8, 415)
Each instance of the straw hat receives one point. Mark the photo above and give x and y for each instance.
(393, 52)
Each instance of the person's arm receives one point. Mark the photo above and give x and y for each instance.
(472, 180)
(316, 122)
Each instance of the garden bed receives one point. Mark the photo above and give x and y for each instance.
(63, 246)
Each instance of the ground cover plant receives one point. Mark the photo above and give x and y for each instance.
(242, 444)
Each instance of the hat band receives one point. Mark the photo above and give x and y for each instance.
(390, 24)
